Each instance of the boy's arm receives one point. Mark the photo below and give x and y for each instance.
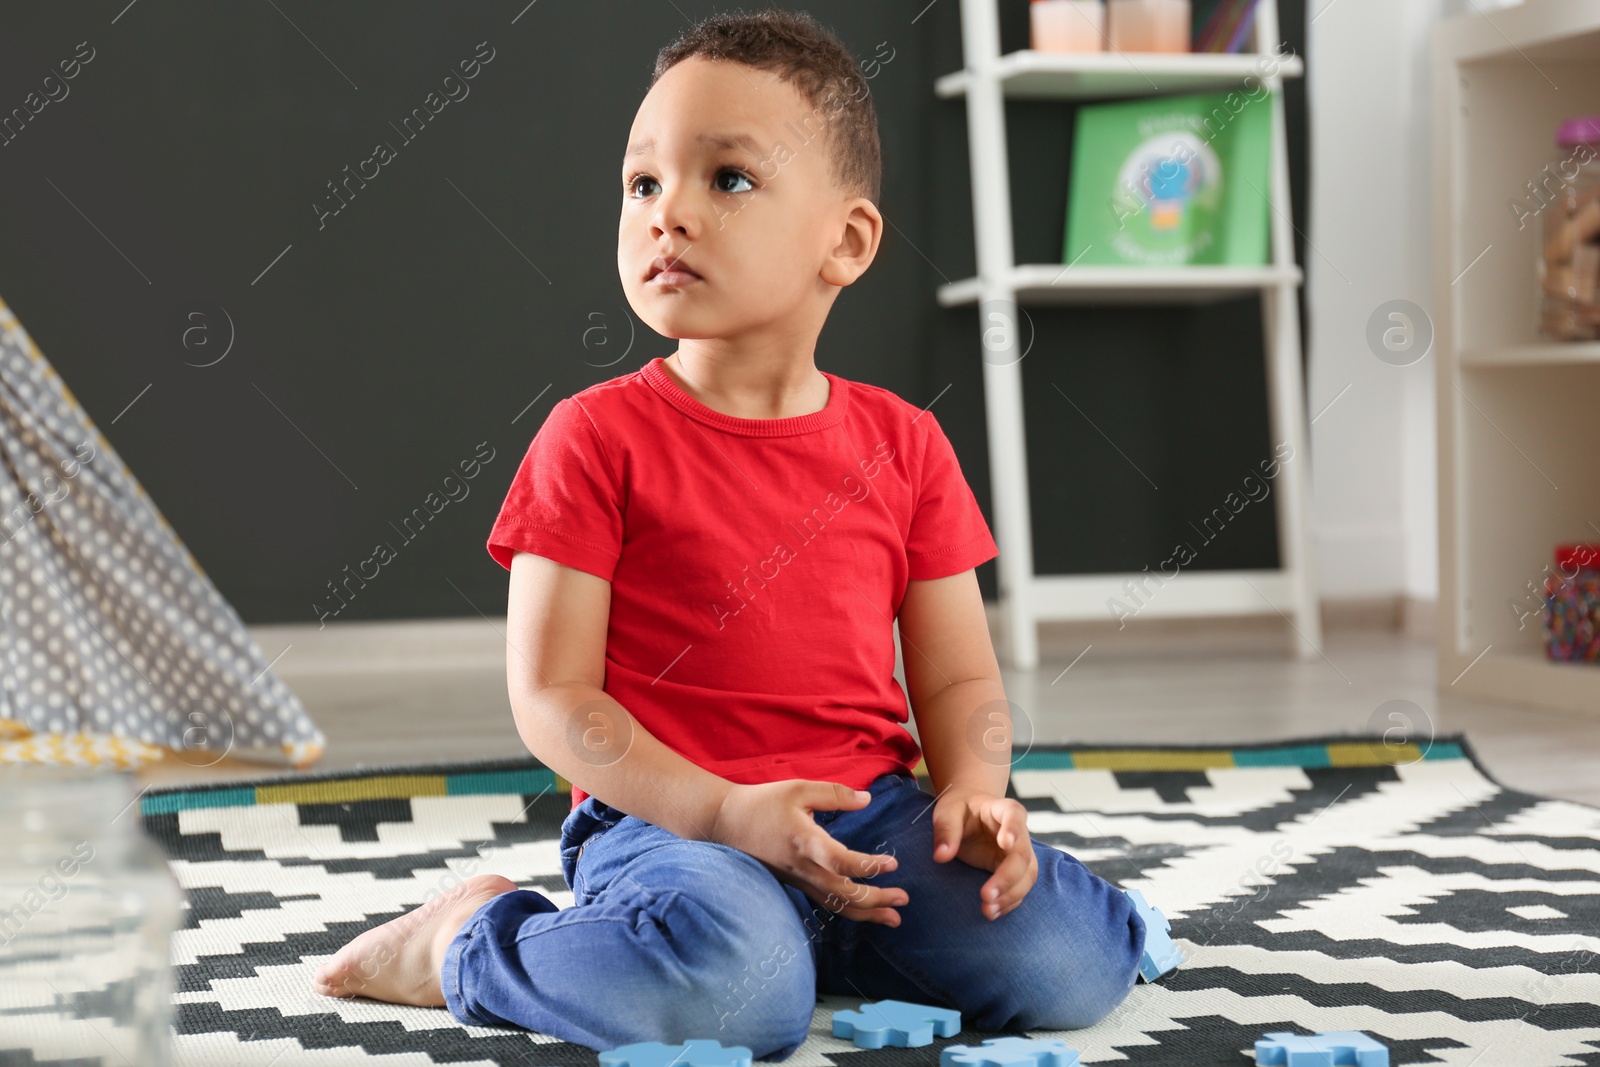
(964, 724)
(556, 622)
(953, 681)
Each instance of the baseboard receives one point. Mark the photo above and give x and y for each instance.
(1419, 617)
(1397, 613)
(1400, 612)
(1361, 613)
(474, 644)
(383, 646)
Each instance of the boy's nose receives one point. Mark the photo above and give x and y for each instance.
(672, 215)
(663, 225)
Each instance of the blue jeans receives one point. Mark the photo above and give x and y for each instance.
(671, 939)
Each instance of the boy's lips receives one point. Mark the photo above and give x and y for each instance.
(672, 272)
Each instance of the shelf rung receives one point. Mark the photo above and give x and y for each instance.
(1081, 597)
(1030, 75)
(1049, 283)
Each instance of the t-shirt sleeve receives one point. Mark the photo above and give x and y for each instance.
(948, 531)
(565, 502)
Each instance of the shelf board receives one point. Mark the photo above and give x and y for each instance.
(1030, 75)
(1524, 676)
(1055, 283)
(1550, 31)
(1542, 354)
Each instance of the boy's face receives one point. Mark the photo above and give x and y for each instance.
(728, 179)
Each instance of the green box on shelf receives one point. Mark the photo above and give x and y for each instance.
(1171, 181)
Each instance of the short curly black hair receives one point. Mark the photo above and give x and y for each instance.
(803, 52)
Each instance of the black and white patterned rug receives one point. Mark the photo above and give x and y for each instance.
(1325, 884)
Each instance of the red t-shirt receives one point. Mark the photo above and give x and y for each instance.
(756, 565)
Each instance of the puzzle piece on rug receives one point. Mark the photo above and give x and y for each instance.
(1161, 956)
(1327, 1049)
(1010, 1052)
(895, 1022)
(695, 1053)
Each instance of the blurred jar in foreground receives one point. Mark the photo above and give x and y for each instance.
(1068, 25)
(88, 907)
(1568, 265)
(1148, 25)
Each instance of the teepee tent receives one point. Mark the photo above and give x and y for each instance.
(115, 647)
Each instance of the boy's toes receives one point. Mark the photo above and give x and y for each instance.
(333, 978)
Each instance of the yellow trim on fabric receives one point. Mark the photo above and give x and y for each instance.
(79, 750)
(1152, 760)
(302, 754)
(1371, 753)
(387, 787)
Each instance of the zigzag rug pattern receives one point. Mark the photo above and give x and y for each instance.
(1322, 884)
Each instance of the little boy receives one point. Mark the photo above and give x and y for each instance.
(708, 557)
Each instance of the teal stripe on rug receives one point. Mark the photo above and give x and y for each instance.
(167, 803)
(534, 780)
(1043, 761)
(1298, 756)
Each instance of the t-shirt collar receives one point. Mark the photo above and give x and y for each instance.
(838, 401)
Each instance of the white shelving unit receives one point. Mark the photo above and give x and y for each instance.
(1519, 433)
(988, 79)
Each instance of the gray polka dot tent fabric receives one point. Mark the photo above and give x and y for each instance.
(115, 648)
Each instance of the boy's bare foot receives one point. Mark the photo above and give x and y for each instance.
(399, 961)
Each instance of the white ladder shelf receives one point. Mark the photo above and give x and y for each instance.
(987, 80)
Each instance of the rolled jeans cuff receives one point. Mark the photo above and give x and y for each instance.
(450, 970)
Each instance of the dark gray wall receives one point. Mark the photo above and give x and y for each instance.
(476, 276)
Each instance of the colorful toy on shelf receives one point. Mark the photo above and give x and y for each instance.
(1567, 263)
(895, 1022)
(1572, 605)
(1334, 1047)
(1160, 954)
(1010, 1052)
(696, 1053)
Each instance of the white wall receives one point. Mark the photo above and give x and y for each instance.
(1373, 485)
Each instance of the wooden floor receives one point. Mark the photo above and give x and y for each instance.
(421, 691)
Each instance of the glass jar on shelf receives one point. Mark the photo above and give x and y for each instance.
(1148, 25)
(1568, 261)
(88, 907)
(1067, 25)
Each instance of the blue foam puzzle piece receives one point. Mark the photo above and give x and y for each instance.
(895, 1022)
(1161, 956)
(696, 1053)
(1330, 1048)
(1010, 1052)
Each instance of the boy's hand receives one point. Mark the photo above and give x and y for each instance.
(990, 833)
(772, 822)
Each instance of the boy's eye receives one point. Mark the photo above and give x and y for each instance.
(726, 181)
(737, 176)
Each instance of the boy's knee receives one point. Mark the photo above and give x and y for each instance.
(761, 999)
(1080, 976)
(1076, 992)
(751, 970)
(774, 1031)
(1083, 1004)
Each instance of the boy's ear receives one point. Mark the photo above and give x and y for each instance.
(858, 244)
